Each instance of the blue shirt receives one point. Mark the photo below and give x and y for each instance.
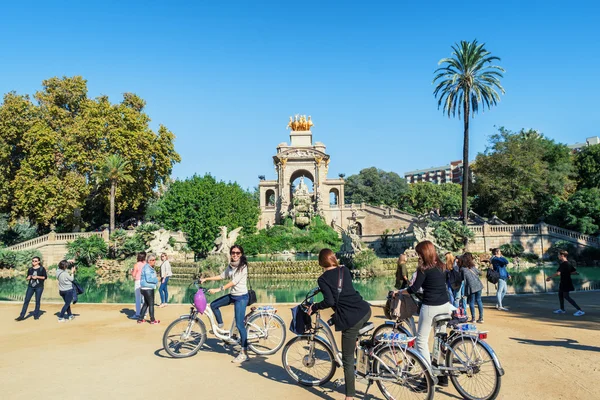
(499, 264)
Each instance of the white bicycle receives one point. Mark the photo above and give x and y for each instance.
(185, 336)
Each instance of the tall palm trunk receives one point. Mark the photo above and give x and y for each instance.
(465, 183)
(113, 189)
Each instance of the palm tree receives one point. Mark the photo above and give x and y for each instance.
(113, 170)
(465, 81)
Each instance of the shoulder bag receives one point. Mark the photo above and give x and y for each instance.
(251, 293)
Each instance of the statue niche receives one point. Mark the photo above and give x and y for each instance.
(302, 210)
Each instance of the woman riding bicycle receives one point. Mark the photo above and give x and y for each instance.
(351, 311)
(431, 278)
(237, 272)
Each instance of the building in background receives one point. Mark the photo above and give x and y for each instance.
(591, 141)
(451, 173)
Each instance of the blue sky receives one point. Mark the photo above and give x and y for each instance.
(225, 76)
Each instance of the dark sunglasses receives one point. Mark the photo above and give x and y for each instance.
(236, 252)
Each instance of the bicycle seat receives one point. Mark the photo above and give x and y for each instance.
(442, 318)
(366, 328)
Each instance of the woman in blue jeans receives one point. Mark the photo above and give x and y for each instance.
(65, 289)
(473, 286)
(237, 273)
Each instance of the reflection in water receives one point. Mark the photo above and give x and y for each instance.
(268, 290)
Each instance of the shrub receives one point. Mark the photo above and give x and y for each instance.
(450, 234)
(562, 245)
(19, 260)
(146, 232)
(123, 246)
(531, 257)
(589, 255)
(86, 251)
(512, 249)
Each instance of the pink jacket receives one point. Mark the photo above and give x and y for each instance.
(137, 270)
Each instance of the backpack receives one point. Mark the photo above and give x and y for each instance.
(455, 279)
(492, 276)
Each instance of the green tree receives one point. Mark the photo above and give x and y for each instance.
(113, 170)
(66, 136)
(467, 80)
(375, 186)
(200, 205)
(580, 212)
(426, 196)
(521, 175)
(587, 162)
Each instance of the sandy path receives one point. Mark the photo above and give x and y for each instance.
(104, 355)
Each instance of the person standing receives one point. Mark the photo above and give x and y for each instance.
(565, 270)
(431, 277)
(401, 272)
(65, 288)
(136, 274)
(36, 275)
(165, 274)
(237, 273)
(148, 281)
(499, 264)
(351, 311)
(473, 286)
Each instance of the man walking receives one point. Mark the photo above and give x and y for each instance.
(499, 264)
(565, 270)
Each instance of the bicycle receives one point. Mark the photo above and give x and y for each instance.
(311, 359)
(465, 357)
(185, 336)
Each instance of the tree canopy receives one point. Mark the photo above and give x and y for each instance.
(50, 147)
(520, 176)
(580, 212)
(375, 186)
(200, 205)
(587, 162)
(422, 197)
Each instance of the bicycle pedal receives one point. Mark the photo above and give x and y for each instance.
(339, 382)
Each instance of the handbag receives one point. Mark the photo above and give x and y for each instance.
(301, 321)
(251, 293)
(77, 287)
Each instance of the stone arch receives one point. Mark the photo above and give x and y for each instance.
(270, 198)
(334, 197)
(359, 228)
(299, 173)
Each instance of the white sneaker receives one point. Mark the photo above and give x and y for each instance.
(497, 307)
(240, 358)
(579, 313)
(559, 311)
(71, 318)
(503, 309)
(62, 320)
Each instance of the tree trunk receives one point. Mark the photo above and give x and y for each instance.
(465, 179)
(113, 189)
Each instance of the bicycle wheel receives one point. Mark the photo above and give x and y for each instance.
(266, 333)
(184, 337)
(387, 328)
(308, 368)
(481, 379)
(402, 374)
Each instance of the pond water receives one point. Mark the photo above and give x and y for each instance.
(284, 257)
(271, 290)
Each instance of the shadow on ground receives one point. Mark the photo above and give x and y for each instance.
(559, 342)
(540, 307)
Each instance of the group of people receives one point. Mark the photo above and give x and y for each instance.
(145, 282)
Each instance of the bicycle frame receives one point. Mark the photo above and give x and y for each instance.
(329, 338)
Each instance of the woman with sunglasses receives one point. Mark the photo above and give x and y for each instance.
(237, 273)
(36, 275)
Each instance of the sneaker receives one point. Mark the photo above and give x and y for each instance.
(471, 320)
(443, 381)
(140, 321)
(62, 320)
(155, 322)
(503, 309)
(240, 358)
(19, 318)
(480, 321)
(498, 307)
(559, 311)
(71, 317)
(579, 313)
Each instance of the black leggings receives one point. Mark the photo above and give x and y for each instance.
(565, 295)
(349, 337)
(148, 295)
